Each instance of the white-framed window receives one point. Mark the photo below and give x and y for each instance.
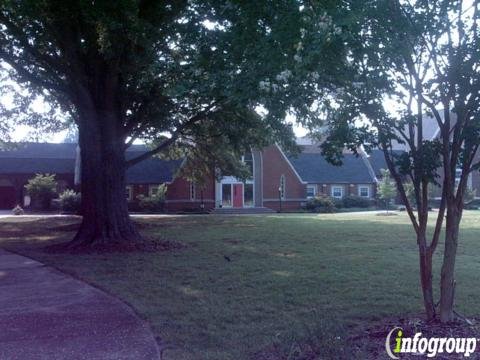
(281, 188)
(311, 191)
(247, 159)
(337, 191)
(364, 191)
(129, 192)
(153, 190)
(193, 191)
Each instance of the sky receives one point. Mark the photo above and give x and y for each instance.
(20, 133)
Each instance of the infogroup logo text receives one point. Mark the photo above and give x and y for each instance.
(427, 346)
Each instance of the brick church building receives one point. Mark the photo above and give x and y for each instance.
(278, 180)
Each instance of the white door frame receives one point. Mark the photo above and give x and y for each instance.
(230, 180)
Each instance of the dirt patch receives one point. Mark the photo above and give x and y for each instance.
(232, 241)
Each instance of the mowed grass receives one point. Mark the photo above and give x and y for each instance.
(286, 274)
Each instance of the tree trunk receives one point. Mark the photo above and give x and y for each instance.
(426, 278)
(447, 282)
(106, 221)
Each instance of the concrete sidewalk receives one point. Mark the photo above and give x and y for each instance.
(45, 314)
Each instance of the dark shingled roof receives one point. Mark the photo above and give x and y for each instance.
(377, 159)
(313, 168)
(36, 166)
(30, 158)
(39, 150)
(151, 171)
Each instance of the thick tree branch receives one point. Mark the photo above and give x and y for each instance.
(170, 141)
(29, 76)
(48, 61)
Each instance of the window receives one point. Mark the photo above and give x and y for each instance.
(226, 195)
(364, 191)
(153, 190)
(311, 191)
(281, 188)
(247, 159)
(248, 194)
(337, 192)
(458, 176)
(129, 193)
(192, 191)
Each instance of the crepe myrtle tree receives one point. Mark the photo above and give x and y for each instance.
(169, 72)
(386, 189)
(412, 62)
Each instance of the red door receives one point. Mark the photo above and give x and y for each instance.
(7, 197)
(238, 195)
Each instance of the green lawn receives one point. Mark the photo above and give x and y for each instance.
(290, 276)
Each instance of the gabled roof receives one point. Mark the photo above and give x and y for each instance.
(32, 158)
(38, 151)
(430, 129)
(377, 160)
(313, 168)
(32, 165)
(153, 171)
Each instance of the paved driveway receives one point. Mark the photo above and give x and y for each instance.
(45, 314)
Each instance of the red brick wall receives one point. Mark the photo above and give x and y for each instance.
(19, 181)
(178, 194)
(326, 189)
(274, 166)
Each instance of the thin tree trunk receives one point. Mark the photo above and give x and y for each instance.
(447, 282)
(426, 278)
(106, 221)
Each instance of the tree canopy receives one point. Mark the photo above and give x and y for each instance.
(190, 73)
(411, 63)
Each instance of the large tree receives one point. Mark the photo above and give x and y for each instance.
(166, 71)
(413, 62)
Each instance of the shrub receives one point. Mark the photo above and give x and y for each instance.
(153, 203)
(17, 210)
(338, 203)
(353, 201)
(323, 204)
(70, 202)
(42, 189)
(386, 188)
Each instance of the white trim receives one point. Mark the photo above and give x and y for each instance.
(234, 180)
(261, 174)
(151, 187)
(282, 187)
(364, 186)
(193, 191)
(253, 183)
(314, 187)
(129, 188)
(231, 194)
(253, 195)
(341, 187)
(289, 163)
